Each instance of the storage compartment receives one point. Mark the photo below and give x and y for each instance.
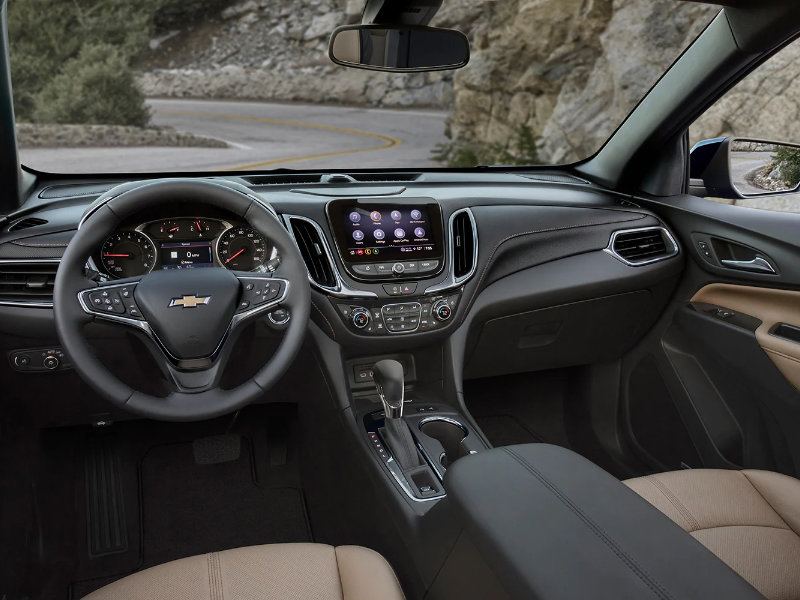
(450, 434)
(579, 333)
(787, 332)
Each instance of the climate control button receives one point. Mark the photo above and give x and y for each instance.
(360, 317)
(442, 310)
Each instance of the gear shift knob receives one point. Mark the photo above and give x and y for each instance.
(388, 377)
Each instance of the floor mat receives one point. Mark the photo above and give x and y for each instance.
(181, 497)
(191, 508)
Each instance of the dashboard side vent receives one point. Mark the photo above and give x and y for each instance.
(642, 246)
(27, 223)
(26, 283)
(312, 247)
(463, 240)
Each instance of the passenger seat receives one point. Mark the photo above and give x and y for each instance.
(749, 519)
(270, 572)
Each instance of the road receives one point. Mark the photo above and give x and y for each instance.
(266, 136)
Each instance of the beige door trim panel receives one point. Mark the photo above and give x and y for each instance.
(771, 307)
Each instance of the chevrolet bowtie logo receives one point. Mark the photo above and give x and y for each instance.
(189, 301)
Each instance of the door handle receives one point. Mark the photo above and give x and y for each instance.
(759, 263)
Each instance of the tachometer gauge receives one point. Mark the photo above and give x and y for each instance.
(128, 254)
(242, 249)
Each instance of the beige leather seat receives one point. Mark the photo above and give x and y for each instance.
(749, 519)
(272, 572)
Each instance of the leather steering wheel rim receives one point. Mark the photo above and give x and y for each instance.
(103, 218)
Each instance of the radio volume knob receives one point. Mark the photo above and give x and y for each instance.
(398, 268)
(361, 318)
(442, 310)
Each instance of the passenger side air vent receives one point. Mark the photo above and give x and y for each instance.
(26, 223)
(27, 282)
(312, 247)
(463, 239)
(642, 246)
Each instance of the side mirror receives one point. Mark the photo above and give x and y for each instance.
(402, 48)
(736, 168)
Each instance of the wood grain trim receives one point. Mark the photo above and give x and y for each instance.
(771, 307)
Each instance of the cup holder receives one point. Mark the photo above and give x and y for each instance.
(449, 433)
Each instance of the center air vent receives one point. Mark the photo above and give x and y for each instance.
(642, 246)
(26, 283)
(312, 247)
(463, 239)
(26, 223)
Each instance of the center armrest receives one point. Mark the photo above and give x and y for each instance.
(543, 522)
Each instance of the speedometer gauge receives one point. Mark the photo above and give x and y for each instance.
(242, 249)
(128, 254)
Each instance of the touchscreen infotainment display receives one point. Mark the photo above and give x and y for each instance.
(186, 255)
(388, 232)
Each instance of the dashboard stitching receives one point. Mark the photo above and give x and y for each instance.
(322, 314)
(522, 234)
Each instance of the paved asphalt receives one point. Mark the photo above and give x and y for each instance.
(266, 136)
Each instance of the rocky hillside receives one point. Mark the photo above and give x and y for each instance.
(569, 69)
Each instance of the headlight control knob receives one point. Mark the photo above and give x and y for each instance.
(442, 310)
(361, 318)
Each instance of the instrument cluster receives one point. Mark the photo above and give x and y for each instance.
(185, 243)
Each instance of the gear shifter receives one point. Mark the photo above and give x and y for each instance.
(388, 376)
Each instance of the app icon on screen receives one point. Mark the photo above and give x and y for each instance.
(355, 217)
(416, 215)
(419, 232)
(358, 235)
(399, 233)
(379, 234)
(396, 215)
(375, 216)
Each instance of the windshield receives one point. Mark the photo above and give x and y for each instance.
(213, 85)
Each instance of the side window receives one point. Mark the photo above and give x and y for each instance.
(762, 115)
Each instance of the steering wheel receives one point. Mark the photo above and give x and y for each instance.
(190, 317)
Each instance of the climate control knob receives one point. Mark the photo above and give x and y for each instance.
(442, 310)
(361, 318)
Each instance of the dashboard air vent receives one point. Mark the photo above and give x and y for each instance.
(27, 223)
(386, 177)
(27, 282)
(640, 246)
(312, 248)
(463, 240)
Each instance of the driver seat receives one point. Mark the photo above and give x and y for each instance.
(270, 572)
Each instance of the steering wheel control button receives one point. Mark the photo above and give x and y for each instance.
(256, 293)
(361, 318)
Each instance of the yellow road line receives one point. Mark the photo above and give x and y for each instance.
(388, 141)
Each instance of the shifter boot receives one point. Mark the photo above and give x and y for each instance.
(401, 443)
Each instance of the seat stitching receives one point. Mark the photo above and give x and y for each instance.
(675, 501)
(215, 572)
(743, 525)
(598, 531)
(532, 232)
(338, 572)
(753, 485)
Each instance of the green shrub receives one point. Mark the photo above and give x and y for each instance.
(465, 154)
(96, 87)
(788, 160)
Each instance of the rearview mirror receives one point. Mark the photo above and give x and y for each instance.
(736, 168)
(401, 48)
